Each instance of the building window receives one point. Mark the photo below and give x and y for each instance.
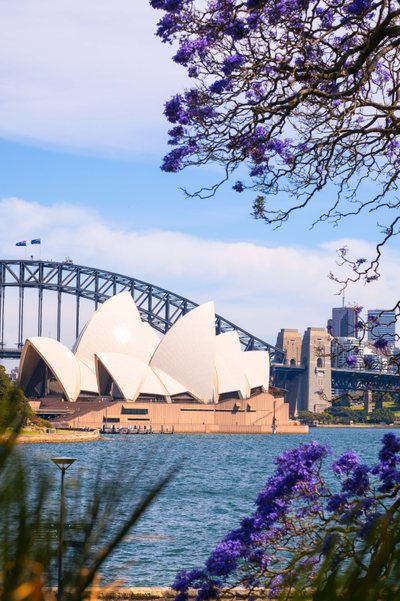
(137, 411)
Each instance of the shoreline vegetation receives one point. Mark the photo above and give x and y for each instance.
(57, 437)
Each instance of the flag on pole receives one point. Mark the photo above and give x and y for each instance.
(36, 241)
(22, 243)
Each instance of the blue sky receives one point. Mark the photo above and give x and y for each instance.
(81, 139)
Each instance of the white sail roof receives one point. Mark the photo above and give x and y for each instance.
(256, 366)
(189, 359)
(59, 359)
(229, 365)
(116, 327)
(187, 351)
(88, 375)
(132, 376)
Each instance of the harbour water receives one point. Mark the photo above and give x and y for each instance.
(215, 486)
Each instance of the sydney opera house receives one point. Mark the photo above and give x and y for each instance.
(121, 373)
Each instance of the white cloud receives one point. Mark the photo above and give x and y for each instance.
(84, 74)
(260, 288)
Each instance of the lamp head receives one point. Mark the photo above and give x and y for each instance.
(63, 462)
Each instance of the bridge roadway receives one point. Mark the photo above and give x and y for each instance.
(344, 379)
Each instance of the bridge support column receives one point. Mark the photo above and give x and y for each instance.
(40, 312)
(77, 315)
(2, 293)
(59, 315)
(21, 318)
(367, 398)
(289, 341)
(316, 388)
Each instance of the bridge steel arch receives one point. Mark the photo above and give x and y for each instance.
(159, 307)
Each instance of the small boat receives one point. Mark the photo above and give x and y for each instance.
(167, 430)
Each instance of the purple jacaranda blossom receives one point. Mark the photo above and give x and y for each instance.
(188, 49)
(346, 463)
(222, 85)
(193, 72)
(231, 63)
(276, 586)
(175, 110)
(336, 502)
(327, 17)
(357, 483)
(168, 5)
(357, 7)
(166, 27)
(176, 134)
(256, 92)
(389, 460)
(237, 29)
(173, 160)
(208, 591)
(223, 560)
(184, 580)
(254, 4)
(258, 170)
(238, 186)
(381, 344)
(351, 360)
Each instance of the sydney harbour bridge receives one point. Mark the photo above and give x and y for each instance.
(161, 308)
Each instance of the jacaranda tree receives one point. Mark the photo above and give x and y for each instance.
(304, 92)
(311, 537)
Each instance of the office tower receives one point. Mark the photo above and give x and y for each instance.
(343, 322)
(347, 353)
(382, 325)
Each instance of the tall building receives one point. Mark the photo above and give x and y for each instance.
(382, 325)
(347, 353)
(343, 323)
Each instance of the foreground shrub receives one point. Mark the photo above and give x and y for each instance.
(315, 533)
(29, 513)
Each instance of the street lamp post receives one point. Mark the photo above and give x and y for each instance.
(63, 463)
